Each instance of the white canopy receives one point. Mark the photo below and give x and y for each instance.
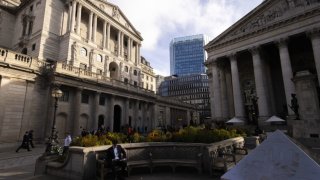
(277, 158)
(235, 120)
(275, 119)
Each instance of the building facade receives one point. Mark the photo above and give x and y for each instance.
(192, 89)
(159, 80)
(91, 51)
(148, 77)
(187, 55)
(271, 53)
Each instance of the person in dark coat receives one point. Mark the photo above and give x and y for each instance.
(116, 158)
(25, 142)
(30, 135)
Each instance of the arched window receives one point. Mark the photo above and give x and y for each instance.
(99, 57)
(135, 72)
(126, 69)
(83, 52)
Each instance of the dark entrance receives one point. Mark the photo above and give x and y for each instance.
(117, 118)
(100, 121)
(130, 121)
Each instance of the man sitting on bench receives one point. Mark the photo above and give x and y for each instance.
(116, 158)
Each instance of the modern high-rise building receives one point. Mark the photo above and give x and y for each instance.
(192, 89)
(187, 55)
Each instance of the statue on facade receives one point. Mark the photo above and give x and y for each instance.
(74, 51)
(295, 106)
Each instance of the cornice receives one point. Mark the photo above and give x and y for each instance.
(265, 29)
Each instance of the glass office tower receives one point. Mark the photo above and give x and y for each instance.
(187, 55)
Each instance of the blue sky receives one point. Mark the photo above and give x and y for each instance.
(159, 21)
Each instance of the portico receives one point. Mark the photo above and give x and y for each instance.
(262, 55)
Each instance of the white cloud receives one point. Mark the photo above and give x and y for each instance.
(159, 21)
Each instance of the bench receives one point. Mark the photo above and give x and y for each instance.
(177, 155)
(225, 154)
(136, 157)
(154, 155)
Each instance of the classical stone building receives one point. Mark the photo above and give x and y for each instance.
(91, 51)
(271, 53)
(148, 77)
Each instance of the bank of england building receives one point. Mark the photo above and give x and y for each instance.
(91, 52)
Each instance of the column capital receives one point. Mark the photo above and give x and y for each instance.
(79, 89)
(282, 42)
(254, 50)
(232, 56)
(314, 33)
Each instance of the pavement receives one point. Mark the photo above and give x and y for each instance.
(21, 165)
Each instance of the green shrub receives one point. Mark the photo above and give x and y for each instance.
(189, 134)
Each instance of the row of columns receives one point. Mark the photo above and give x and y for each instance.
(260, 83)
(94, 107)
(74, 21)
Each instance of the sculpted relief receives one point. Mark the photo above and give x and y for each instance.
(273, 13)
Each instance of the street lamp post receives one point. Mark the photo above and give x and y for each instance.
(56, 93)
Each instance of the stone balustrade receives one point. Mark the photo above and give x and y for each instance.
(20, 61)
(82, 162)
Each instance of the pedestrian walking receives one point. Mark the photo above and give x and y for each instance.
(30, 136)
(25, 142)
(67, 142)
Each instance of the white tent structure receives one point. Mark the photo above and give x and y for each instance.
(274, 119)
(277, 158)
(235, 120)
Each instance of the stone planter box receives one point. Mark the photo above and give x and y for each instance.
(82, 162)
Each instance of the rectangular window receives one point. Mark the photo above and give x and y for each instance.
(33, 47)
(30, 28)
(85, 98)
(83, 66)
(135, 83)
(65, 96)
(102, 101)
(99, 71)
(31, 8)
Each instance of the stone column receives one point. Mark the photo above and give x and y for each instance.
(90, 27)
(223, 90)
(259, 81)
(139, 46)
(122, 44)
(126, 118)
(69, 16)
(76, 112)
(287, 74)
(119, 37)
(94, 34)
(94, 111)
(106, 66)
(73, 18)
(104, 34)
(216, 91)
(136, 58)
(315, 41)
(136, 114)
(111, 110)
(108, 35)
(238, 102)
(79, 18)
(130, 49)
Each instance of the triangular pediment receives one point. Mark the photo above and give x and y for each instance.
(268, 13)
(115, 12)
